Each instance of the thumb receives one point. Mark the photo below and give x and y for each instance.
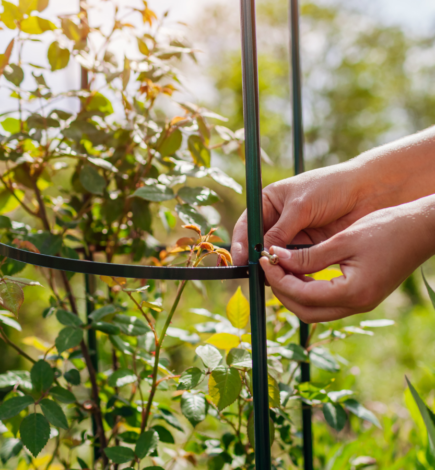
(311, 260)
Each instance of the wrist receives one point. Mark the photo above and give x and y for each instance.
(397, 173)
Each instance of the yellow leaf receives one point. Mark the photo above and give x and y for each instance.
(247, 338)
(274, 399)
(224, 341)
(42, 460)
(113, 281)
(153, 306)
(36, 343)
(327, 274)
(238, 310)
(8, 203)
(274, 302)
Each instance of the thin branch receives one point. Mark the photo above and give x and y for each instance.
(13, 345)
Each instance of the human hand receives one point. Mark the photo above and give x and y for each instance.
(376, 254)
(308, 208)
(312, 207)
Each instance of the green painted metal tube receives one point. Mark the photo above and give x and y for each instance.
(298, 153)
(255, 235)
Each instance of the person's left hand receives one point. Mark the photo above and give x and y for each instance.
(376, 254)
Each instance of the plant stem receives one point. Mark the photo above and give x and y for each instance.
(157, 356)
(13, 345)
(54, 452)
(92, 375)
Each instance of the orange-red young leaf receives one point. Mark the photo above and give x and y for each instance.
(225, 254)
(193, 227)
(206, 246)
(185, 241)
(26, 245)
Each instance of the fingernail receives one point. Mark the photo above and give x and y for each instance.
(282, 253)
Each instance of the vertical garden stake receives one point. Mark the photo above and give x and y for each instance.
(255, 235)
(298, 153)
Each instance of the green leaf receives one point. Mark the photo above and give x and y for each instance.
(190, 378)
(63, 395)
(251, 431)
(54, 413)
(142, 217)
(72, 376)
(169, 144)
(68, 318)
(357, 409)
(105, 327)
(239, 358)
(91, 180)
(194, 407)
(68, 338)
(58, 57)
(155, 193)
(121, 345)
(200, 153)
(426, 414)
(238, 310)
(323, 359)
(274, 396)
(131, 326)
(149, 468)
(11, 448)
(119, 454)
(14, 406)
(190, 216)
(14, 74)
(224, 180)
(169, 417)
(42, 376)
(102, 312)
(100, 103)
(376, 323)
(200, 196)
(36, 25)
(35, 432)
(211, 357)
(11, 297)
(224, 386)
(46, 242)
(429, 289)
(10, 322)
(11, 125)
(164, 435)
(298, 353)
(5, 222)
(335, 415)
(146, 444)
(122, 377)
(82, 463)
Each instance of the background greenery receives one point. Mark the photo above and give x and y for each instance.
(364, 84)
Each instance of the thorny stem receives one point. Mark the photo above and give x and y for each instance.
(157, 356)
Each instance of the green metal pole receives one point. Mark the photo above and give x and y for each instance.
(255, 235)
(298, 153)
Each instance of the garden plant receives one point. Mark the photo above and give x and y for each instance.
(113, 181)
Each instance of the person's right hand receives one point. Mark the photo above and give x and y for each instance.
(308, 208)
(314, 206)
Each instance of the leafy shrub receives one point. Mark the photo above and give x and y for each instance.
(94, 185)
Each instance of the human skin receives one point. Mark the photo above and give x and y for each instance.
(320, 205)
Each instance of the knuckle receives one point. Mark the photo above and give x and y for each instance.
(276, 236)
(304, 257)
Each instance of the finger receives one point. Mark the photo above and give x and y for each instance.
(314, 259)
(334, 293)
(313, 314)
(289, 224)
(239, 245)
